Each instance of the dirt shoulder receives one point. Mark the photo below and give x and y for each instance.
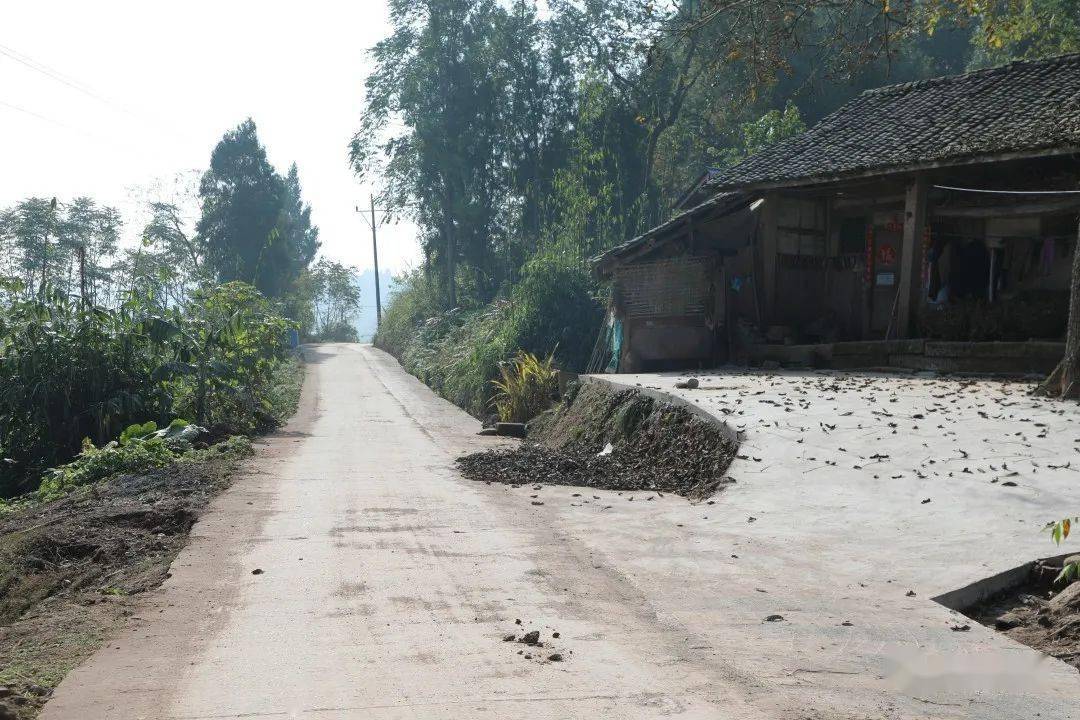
(1040, 613)
(614, 440)
(71, 569)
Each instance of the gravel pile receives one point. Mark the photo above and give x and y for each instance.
(660, 447)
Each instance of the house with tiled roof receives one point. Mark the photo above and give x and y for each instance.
(940, 211)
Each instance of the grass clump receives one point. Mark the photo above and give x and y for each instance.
(527, 387)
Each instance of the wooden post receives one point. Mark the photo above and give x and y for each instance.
(767, 256)
(910, 289)
(1063, 381)
(868, 277)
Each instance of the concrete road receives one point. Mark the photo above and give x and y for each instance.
(388, 584)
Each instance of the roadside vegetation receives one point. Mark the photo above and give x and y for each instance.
(527, 387)
(552, 312)
(525, 138)
(132, 379)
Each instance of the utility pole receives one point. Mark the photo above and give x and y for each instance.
(375, 254)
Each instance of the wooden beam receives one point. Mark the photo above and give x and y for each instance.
(808, 232)
(855, 203)
(910, 287)
(1025, 209)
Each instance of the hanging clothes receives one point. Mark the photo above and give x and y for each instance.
(616, 346)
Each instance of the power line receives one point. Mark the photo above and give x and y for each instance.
(56, 75)
(34, 114)
(47, 71)
(99, 138)
(386, 212)
(74, 84)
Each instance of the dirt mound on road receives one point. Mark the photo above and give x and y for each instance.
(653, 446)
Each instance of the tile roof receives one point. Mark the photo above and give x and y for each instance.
(717, 205)
(1023, 107)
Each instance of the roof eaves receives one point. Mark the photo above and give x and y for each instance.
(882, 170)
(727, 200)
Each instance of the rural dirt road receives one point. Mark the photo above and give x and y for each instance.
(388, 586)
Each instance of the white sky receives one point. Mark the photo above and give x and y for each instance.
(175, 76)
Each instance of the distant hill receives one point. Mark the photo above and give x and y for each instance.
(365, 319)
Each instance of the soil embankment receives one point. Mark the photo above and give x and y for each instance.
(70, 569)
(654, 445)
(1040, 613)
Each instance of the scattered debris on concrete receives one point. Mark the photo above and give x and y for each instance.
(531, 639)
(654, 446)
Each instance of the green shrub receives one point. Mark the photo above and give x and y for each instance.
(336, 332)
(407, 310)
(527, 387)
(227, 348)
(69, 372)
(554, 308)
(459, 352)
(283, 392)
(456, 353)
(94, 464)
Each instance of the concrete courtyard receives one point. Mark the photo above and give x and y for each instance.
(859, 498)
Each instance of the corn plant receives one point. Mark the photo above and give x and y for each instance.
(70, 372)
(526, 388)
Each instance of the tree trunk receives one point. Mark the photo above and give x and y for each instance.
(671, 115)
(1065, 380)
(451, 265)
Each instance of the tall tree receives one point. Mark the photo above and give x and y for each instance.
(336, 296)
(28, 239)
(87, 237)
(249, 222)
(302, 236)
(64, 246)
(1025, 30)
(439, 74)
